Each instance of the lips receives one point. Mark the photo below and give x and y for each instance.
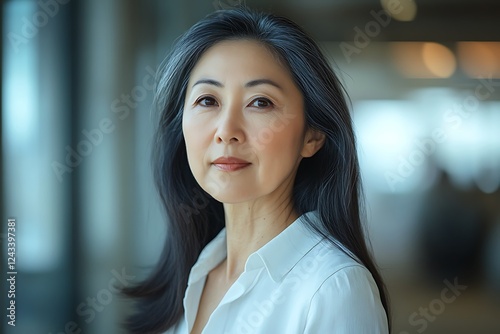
(230, 164)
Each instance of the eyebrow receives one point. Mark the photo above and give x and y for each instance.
(208, 82)
(249, 84)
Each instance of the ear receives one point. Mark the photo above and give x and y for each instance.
(313, 141)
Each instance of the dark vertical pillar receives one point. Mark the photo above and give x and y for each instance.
(73, 51)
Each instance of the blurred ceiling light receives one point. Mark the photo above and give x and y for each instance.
(386, 130)
(423, 60)
(488, 181)
(401, 10)
(479, 59)
(439, 59)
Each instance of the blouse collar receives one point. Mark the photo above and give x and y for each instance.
(278, 256)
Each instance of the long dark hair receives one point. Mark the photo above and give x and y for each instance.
(328, 182)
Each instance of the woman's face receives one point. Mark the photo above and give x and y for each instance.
(243, 124)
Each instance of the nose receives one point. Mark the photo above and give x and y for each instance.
(230, 127)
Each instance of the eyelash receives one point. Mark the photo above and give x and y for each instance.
(268, 101)
(198, 102)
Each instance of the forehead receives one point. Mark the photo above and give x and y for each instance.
(240, 58)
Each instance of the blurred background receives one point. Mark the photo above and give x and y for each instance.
(76, 122)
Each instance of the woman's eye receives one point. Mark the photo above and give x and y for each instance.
(261, 103)
(207, 101)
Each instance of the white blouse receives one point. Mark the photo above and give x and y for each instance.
(296, 283)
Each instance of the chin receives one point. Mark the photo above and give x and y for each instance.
(228, 199)
(227, 190)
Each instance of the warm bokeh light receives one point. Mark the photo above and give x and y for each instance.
(438, 59)
(401, 10)
(479, 59)
(423, 60)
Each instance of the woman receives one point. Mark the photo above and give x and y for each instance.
(256, 166)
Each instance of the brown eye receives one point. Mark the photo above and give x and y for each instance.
(207, 101)
(261, 103)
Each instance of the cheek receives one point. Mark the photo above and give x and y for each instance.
(196, 142)
(281, 137)
(279, 150)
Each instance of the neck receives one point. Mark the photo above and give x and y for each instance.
(248, 228)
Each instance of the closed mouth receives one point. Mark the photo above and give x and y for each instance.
(230, 163)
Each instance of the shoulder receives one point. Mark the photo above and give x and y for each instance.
(326, 260)
(343, 293)
(305, 253)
